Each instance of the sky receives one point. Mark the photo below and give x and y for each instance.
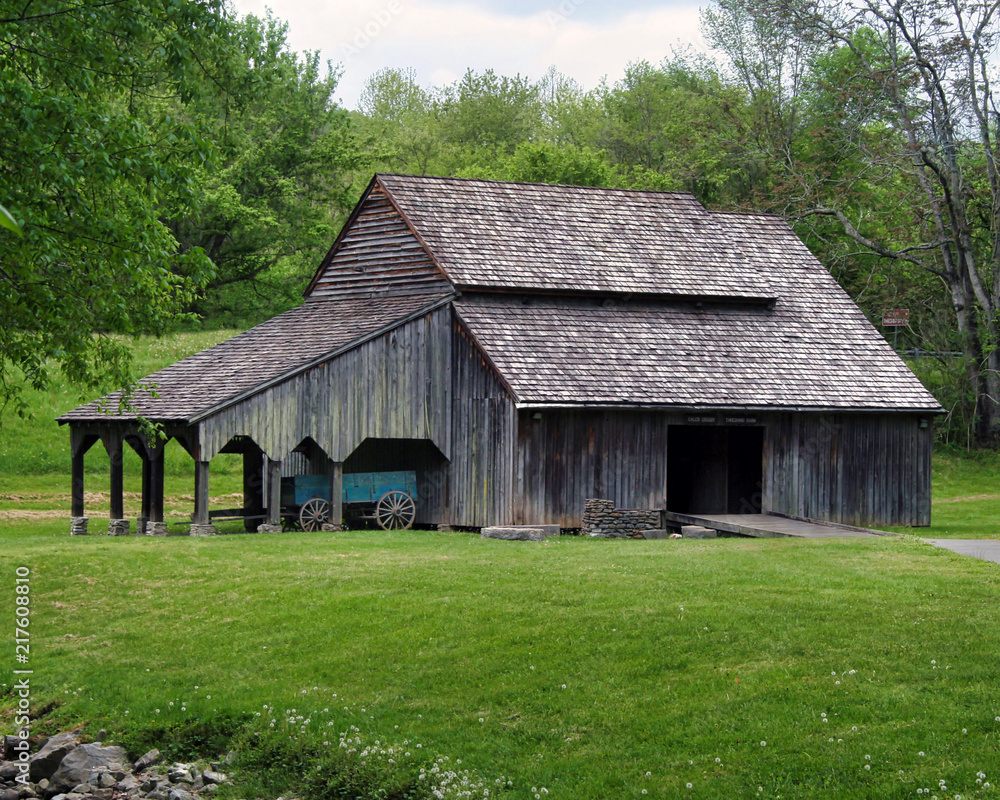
(440, 39)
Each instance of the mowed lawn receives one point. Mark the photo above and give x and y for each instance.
(856, 668)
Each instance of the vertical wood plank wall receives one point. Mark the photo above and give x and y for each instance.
(859, 469)
(481, 483)
(395, 386)
(566, 457)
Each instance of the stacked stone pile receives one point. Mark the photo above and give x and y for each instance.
(601, 518)
(63, 768)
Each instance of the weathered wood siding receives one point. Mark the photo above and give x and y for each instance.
(481, 480)
(859, 469)
(395, 386)
(565, 457)
(378, 253)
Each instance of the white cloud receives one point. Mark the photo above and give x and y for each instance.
(440, 41)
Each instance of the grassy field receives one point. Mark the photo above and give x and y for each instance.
(592, 668)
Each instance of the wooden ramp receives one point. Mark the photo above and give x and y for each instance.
(764, 525)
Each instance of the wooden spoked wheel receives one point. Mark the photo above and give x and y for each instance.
(395, 511)
(313, 514)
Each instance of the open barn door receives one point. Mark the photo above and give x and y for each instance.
(714, 469)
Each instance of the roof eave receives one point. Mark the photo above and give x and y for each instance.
(743, 409)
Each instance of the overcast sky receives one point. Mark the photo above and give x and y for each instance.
(440, 39)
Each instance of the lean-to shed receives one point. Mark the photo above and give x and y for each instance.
(524, 347)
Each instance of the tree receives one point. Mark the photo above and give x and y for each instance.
(92, 154)
(282, 178)
(920, 77)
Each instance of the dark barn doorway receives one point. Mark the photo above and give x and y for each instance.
(714, 469)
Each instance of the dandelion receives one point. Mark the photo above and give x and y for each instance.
(965, 730)
(718, 760)
(763, 744)
(868, 758)
(480, 719)
(564, 686)
(690, 785)
(920, 753)
(868, 766)
(649, 774)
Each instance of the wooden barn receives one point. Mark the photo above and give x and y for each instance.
(522, 348)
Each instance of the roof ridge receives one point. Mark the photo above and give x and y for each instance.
(543, 185)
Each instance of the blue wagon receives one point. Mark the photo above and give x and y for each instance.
(385, 498)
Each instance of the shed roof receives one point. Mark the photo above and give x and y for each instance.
(500, 235)
(260, 356)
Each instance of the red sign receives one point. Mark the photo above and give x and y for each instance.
(896, 317)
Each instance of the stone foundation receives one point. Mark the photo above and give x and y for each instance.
(78, 526)
(119, 527)
(202, 530)
(520, 533)
(156, 529)
(265, 528)
(602, 519)
(330, 527)
(698, 532)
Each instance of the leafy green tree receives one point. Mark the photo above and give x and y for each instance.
(92, 154)
(283, 178)
(919, 131)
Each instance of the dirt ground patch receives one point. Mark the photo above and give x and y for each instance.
(969, 498)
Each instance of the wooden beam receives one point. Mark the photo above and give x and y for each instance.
(113, 444)
(253, 486)
(273, 492)
(76, 502)
(336, 492)
(156, 487)
(146, 486)
(201, 495)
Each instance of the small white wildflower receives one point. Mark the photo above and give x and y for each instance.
(763, 744)
(690, 785)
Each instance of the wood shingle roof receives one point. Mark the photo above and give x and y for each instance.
(813, 349)
(495, 235)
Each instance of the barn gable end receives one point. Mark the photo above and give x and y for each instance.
(377, 254)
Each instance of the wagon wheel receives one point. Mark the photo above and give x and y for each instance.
(395, 511)
(313, 514)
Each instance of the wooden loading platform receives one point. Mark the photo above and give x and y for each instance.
(765, 525)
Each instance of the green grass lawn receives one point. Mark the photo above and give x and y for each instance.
(856, 668)
(593, 668)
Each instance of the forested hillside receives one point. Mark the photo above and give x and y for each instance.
(184, 164)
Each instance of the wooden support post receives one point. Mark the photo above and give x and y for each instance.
(201, 516)
(76, 503)
(273, 492)
(156, 486)
(113, 444)
(147, 467)
(336, 492)
(253, 486)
